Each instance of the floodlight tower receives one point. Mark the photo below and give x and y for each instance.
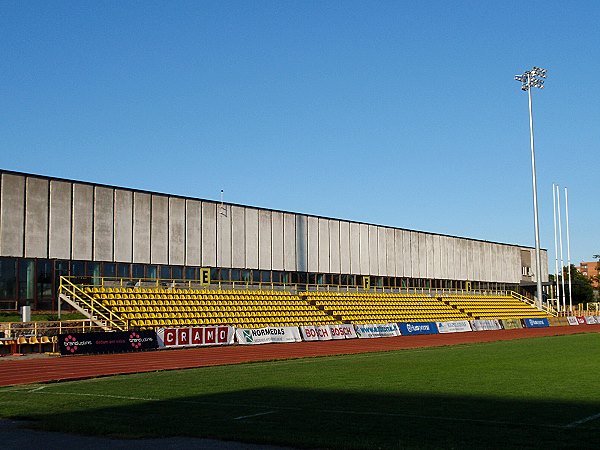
(534, 78)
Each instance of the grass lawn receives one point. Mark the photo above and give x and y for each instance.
(534, 393)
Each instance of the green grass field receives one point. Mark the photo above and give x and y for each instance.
(535, 393)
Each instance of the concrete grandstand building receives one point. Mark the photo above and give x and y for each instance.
(51, 227)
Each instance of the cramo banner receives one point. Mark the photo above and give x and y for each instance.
(267, 335)
(327, 332)
(418, 328)
(194, 336)
(455, 326)
(377, 331)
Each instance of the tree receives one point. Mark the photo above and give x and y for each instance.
(581, 285)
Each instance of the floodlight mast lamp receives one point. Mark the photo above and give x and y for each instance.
(534, 78)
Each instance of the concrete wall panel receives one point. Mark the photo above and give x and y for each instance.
(159, 229)
(238, 237)
(12, 215)
(264, 239)
(399, 250)
(430, 256)
(277, 240)
(209, 234)
(373, 251)
(381, 251)
(251, 219)
(83, 222)
(224, 238)
(289, 242)
(36, 217)
(176, 231)
(103, 224)
(323, 246)
(123, 225)
(407, 263)
(334, 246)
(390, 252)
(142, 215)
(193, 233)
(422, 258)
(345, 266)
(354, 230)
(59, 240)
(364, 249)
(302, 243)
(313, 244)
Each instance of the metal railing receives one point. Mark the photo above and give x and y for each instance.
(95, 309)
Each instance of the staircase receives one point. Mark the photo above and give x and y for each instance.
(95, 311)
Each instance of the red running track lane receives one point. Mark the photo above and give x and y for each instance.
(40, 370)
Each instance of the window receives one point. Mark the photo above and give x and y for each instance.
(123, 270)
(165, 272)
(77, 269)
(109, 270)
(190, 273)
(26, 280)
(137, 271)
(8, 278)
(151, 272)
(178, 272)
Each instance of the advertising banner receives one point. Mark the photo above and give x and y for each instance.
(104, 342)
(195, 336)
(485, 325)
(573, 320)
(580, 320)
(327, 332)
(558, 321)
(590, 320)
(536, 323)
(267, 335)
(454, 326)
(407, 329)
(511, 324)
(377, 330)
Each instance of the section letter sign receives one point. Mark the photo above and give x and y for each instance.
(195, 336)
(104, 342)
(267, 335)
(418, 328)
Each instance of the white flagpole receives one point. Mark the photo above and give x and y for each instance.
(555, 247)
(562, 264)
(568, 248)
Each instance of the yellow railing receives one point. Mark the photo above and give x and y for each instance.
(546, 308)
(95, 308)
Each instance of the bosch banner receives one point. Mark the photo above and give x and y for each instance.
(418, 328)
(119, 342)
(327, 332)
(195, 336)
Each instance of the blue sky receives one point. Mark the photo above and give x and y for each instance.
(396, 113)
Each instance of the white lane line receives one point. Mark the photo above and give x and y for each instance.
(37, 389)
(253, 415)
(584, 420)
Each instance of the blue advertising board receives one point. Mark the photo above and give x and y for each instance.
(418, 328)
(536, 323)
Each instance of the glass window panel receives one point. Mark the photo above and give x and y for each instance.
(26, 279)
(265, 276)
(123, 270)
(177, 272)
(235, 275)
(44, 279)
(190, 273)
(165, 272)
(137, 271)
(151, 272)
(8, 278)
(77, 269)
(109, 270)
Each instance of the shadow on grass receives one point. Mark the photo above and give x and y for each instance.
(343, 419)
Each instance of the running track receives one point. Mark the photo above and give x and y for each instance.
(40, 370)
